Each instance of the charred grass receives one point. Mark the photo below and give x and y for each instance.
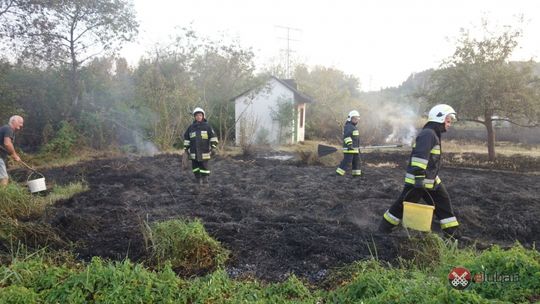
(280, 243)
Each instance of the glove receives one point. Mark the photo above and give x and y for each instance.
(419, 182)
(350, 148)
(213, 152)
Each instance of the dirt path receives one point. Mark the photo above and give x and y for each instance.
(277, 217)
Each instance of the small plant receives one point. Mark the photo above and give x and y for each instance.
(186, 245)
(64, 141)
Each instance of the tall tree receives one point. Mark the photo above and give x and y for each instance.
(334, 92)
(70, 32)
(483, 86)
(221, 71)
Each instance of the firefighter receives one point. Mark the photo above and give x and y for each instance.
(200, 142)
(351, 146)
(421, 178)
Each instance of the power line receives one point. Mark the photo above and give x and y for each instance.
(288, 51)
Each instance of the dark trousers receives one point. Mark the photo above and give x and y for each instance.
(350, 158)
(200, 168)
(443, 207)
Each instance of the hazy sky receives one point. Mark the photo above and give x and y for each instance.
(380, 42)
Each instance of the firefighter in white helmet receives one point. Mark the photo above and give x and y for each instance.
(351, 146)
(421, 179)
(200, 141)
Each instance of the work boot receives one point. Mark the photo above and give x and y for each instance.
(205, 181)
(198, 180)
(386, 227)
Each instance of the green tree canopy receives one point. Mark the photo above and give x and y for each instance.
(483, 86)
(70, 32)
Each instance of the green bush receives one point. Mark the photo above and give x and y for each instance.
(186, 245)
(64, 141)
(516, 261)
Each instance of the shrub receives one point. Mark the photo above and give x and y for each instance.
(187, 246)
(64, 141)
(517, 261)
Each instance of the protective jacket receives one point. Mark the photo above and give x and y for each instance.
(351, 139)
(425, 160)
(200, 139)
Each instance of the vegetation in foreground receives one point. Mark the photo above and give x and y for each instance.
(43, 277)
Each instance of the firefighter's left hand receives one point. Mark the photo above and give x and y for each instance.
(213, 152)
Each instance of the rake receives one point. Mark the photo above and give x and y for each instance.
(323, 150)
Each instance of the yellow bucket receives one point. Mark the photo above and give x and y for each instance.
(417, 216)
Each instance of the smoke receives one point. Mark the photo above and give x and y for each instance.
(144, 147)
(404, 135)
(393, 123)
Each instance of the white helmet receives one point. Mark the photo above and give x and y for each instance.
(199, 110)
(352, 114)
(439, 112)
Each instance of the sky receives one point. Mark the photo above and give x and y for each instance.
(381, 42)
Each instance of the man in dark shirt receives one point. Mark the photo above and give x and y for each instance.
(7, 136)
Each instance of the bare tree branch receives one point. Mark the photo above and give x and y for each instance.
(515, 123)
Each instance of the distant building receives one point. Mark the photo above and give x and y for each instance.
(273, 113)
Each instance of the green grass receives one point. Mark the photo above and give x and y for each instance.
(20, 214)
(51, 160)
(17, 202)
(184, 244)
(42, 279)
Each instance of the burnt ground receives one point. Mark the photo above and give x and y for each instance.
(279, 217)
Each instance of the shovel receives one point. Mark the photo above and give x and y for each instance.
(323, 150)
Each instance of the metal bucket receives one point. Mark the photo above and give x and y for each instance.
(36, 185)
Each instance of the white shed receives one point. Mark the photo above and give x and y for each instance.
(273, 113)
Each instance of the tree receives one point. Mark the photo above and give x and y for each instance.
(334, 93)
(483, 86)
(284, 113)
(221, 71)
(70, 32)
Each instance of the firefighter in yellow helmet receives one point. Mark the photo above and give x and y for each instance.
(351, 146)
(199, 141)
(421, 179)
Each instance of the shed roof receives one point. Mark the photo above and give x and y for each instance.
(290, 84)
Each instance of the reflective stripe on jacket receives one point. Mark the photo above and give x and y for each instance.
(351, 138)
(425, 160)
(200, 139)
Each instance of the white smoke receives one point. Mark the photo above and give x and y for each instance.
(403, 129)
(400, 118)
(144, 147)
(402, 134)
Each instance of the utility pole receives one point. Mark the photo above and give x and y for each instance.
(288, 50)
